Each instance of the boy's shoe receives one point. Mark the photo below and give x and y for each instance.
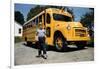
(45, 56)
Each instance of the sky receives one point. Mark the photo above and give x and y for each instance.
(25, 8)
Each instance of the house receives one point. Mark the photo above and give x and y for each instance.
(17, 29)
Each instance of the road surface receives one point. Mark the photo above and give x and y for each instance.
(25, 55)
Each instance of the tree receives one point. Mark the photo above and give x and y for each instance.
(19, 17)
(33, 12)
(88, 19)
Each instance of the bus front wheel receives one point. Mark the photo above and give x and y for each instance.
(60, 43)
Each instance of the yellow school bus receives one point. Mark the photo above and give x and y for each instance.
(61, 30)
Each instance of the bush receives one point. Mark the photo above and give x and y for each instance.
(18, 39)
(91, 42)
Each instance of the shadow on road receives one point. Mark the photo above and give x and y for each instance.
(52, 48)
(68, 49)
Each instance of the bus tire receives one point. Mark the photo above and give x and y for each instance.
(26, 39)
(60, 46)
(29, 43)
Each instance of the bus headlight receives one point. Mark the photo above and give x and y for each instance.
(68, 27)
(88, 35)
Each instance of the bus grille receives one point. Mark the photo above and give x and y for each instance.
(80, 32)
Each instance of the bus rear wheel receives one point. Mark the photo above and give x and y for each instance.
(29, 43)
(60, 43)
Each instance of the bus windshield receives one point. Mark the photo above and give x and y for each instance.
(60, 17)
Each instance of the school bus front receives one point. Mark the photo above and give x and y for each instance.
(64, 30)
(73, 31)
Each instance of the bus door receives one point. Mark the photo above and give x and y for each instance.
(48, 28)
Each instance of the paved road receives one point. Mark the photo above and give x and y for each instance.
(27, 55)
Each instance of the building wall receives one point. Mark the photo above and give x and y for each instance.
(16, 29)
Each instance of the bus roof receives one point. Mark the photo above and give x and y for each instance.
(54, 10)
(59, 11)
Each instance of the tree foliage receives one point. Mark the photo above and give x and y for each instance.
(33, 12)
(88, 19)
(19, 17)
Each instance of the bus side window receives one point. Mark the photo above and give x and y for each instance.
(24, 27)
(31, 25)
(48, 31)
(33, 22)
(40, 18)
(48, 18)
(44, 18)
(27, 26)
(37, 21)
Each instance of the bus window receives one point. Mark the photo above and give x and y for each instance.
(27, 26)
(48, 18)
(24, 27)
(48, 32)
(44, 18)
(40, 18)
(60, 17)
(33, 22)
(37, 21)
(31, 25)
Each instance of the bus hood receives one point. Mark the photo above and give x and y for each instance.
(74, 24)
(68, 24)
